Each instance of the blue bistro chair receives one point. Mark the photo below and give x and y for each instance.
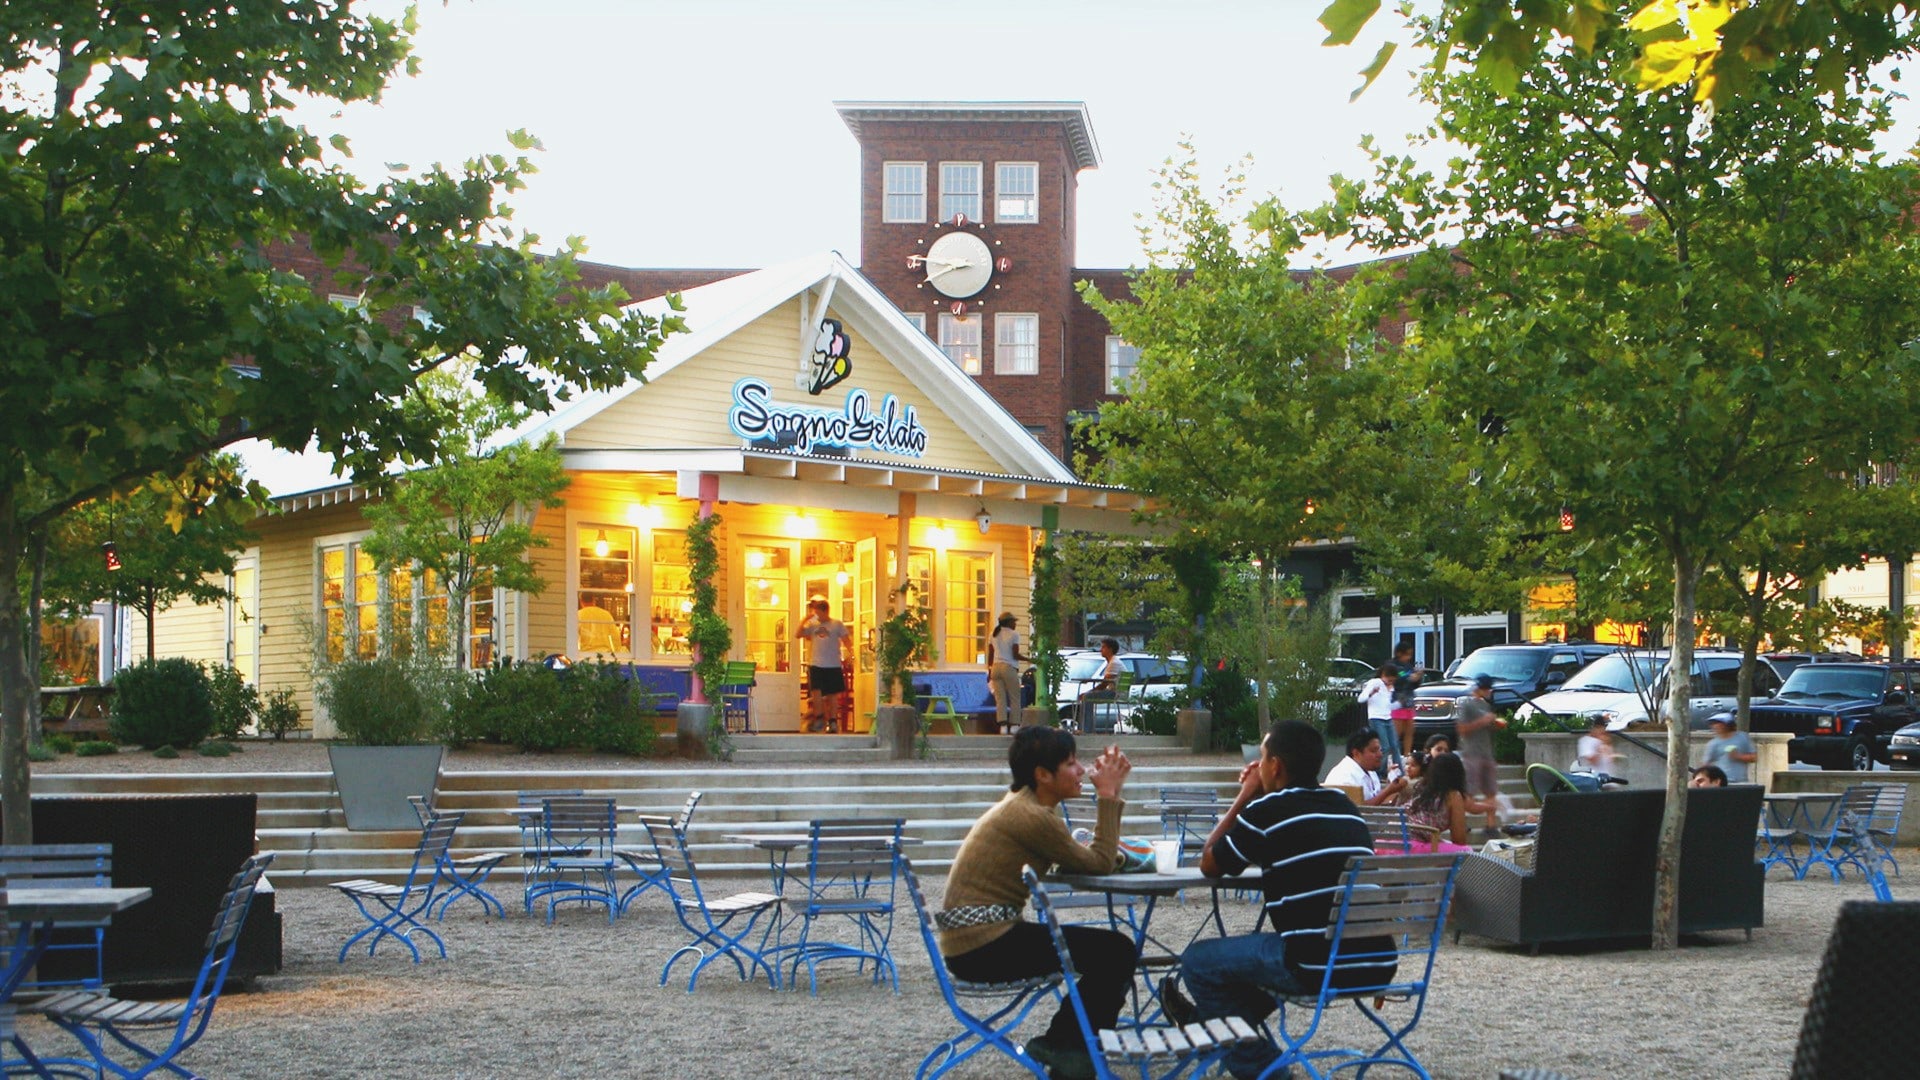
(852, 866)
(1002, 1007)
(395, 911)
(721, 926)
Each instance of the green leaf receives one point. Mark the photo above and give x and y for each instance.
(1372, 70)
(1344, 19)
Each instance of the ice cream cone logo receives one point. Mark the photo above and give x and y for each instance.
(830, 364)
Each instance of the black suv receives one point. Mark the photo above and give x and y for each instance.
(1841, 716)
(1520, 672)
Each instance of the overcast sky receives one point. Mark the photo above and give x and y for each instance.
(702, 132)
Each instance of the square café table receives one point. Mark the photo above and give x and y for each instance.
(1151, 887)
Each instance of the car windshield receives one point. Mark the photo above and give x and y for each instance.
(1617, 673)
(1506, 665)
(1832, 683)
(1085, 666)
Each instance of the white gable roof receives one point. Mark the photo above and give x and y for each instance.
(714, 312)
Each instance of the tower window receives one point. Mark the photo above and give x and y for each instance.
(1016, 344)
(906, 191)
(960, 340)
(959, 190)
(1017, 191)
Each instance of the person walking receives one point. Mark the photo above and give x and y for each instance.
(1377, 696)
(1730, 749)
(1003, 652)
(1473, 722)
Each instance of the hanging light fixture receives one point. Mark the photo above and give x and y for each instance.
(1566, 519)
(600, 546)
(112, 556)
(983, 519)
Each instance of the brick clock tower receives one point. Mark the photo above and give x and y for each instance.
(967, 224)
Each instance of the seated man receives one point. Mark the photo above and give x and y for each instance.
(982, 937)
(1708, 776)
(1359, 769)
(1302, 836)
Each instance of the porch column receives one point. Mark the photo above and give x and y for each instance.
(903, 543)
(709, 494)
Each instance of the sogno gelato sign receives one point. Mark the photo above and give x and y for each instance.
(891, 429)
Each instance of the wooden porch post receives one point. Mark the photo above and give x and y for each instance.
(709, 494)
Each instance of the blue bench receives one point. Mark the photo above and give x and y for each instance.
(967, 690)
(669, 686)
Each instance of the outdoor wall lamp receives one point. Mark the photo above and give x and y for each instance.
(983, 519)
(600, 545)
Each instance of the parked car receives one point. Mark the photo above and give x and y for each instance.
(1846, 716)
(1346, 676)
(1520, 672)
(1618, 688)
(1786, 663)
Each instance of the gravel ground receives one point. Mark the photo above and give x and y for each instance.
(581, 998)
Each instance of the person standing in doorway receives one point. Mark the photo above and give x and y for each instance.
(1003, 653)
(825, 677)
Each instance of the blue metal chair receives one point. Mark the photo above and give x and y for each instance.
(463, 875)
(94, 1017)
(1889, 804)
(1834, 839)
(1384, 930)
(1189, 814)
(395, 910)
(1010, 1003)
(1779, 833)
(711, 921)
(49, 865)
(531, 805)
(851, 870)
(1118, 911)
(1152, 1053)
(646, 864)
(577, 834)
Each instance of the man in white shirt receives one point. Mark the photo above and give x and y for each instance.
(1361, 769)
(824, 673)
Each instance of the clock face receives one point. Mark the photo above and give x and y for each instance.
(959, 264)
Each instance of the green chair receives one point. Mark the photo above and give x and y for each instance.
(736, 696)
(930, 710)
(1100, 703)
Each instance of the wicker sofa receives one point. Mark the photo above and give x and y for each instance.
(1592, 877)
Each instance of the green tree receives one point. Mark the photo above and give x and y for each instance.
(464, 518)
(1245, 423)
(165, 556)
(153, 178)
(1721, 48)
(1670, 326)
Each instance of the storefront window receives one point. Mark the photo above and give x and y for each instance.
(483, 607)
(365, 614)
(969, 586)
(671, 603)
(603, 605)
(243, 642)
(769, 591)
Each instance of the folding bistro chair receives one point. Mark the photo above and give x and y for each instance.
(1384, 932)
(1117, 912)
(94, 1017)
(1189, 815)
(576, 836)
(1879, 827)
(1153, 1053)
(646, 863)
(395, 910)
(1106, 704)
(850, 875)
(736, 697)
(533, 853)
(463, 875)
(710, 920)
(75, 957)
(1832, 840)
(1010, 1002)
(1388, 824)
(1779, 832)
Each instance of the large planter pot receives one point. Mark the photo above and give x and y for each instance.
(896, 728)
(690, 730)
(1195, 729)
(375, 781)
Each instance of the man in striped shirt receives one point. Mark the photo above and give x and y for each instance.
(1301, 835)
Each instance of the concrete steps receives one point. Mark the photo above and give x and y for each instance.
(299, 814)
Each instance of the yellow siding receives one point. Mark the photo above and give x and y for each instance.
(687, 407)
(195, 631)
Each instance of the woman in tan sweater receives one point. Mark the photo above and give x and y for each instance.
(982, 936)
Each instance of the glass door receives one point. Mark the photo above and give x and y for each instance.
(773, 610)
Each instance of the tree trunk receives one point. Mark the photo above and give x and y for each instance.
(19, 689)
(1265, 689)
(1750, 646)
(1666, 865)
(149, 604)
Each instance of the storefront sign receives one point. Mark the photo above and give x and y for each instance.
(893, 429)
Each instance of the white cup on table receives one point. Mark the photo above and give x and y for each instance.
(1166, 856)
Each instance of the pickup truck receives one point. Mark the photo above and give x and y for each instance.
(1841, 716)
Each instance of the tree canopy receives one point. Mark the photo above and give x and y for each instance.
(154, 185)
(1670, 324)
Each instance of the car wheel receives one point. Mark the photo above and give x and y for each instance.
(1860, 756)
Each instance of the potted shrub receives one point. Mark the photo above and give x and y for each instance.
(386, 710)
